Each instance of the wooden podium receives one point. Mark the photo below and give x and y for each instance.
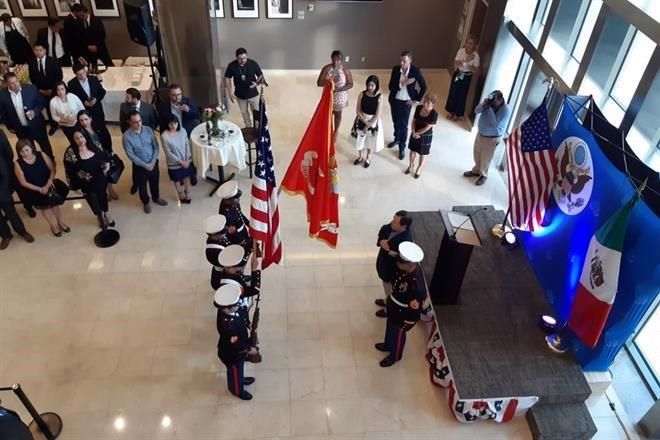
(459, 239)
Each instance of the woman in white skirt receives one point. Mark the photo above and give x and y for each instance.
(367, 128)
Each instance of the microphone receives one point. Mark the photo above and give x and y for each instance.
(453, 236)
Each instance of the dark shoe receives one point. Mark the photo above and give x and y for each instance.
(65, 229)
(4, 243)
(401, 155)
(357, 161)
(417, 175)
(56, 234)
(160, 202)
(382, 313)
(392, 144)
(112, 224)
(28, 237)
(245, 396)
(381, 347)
(248, 380)
(133, 189)
(367, 163)
(380, 302)
(387, 362)
(31, 212)
(52, 130)
(147, 209)
(481, 180)
(470, 174)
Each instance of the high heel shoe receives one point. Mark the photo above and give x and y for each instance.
(56, 234)
(64, 228)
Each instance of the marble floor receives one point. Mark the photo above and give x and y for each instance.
(122, 342)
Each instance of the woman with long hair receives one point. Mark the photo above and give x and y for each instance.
(179, 158)
(100, 138)
(367, 128)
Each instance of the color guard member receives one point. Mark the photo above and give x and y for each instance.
(230, 206)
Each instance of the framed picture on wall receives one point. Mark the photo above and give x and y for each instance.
(245, 8)
(105, 8)
(63, 7)
(279, 8)
(217, 8)
(32, 8)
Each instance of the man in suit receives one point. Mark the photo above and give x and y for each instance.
(53, 40)
(70, 30)
(44, 72)
(407, 88)
(147, 112)
(91, 93)
(132, 102)
(8, 214)
(20, 107)
(183, 107)
(91, 35)
(390, 237)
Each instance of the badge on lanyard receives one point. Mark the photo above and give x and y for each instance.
(242, 77)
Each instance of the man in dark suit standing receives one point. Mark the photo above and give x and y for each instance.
(91, 93)
(390, 237)
(20, 108)
(53, 40)
(91, 33)
(132, 103)
(70, 32)
(45, 71)
(407, 88)
(8, 214)
(182, 107)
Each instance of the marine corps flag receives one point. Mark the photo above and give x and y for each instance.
(313, 173)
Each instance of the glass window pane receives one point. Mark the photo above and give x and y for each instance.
(561, 39)
(651, 7)
(587, 29)
(633, 67)
(521, 12)
(613, 112)
(644, 135)
(647, 342)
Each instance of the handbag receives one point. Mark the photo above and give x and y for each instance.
(193, 178)
(116, 168)
(57, 193)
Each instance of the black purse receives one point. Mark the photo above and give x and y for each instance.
(193, 178)
(58, 193)
(116, 168)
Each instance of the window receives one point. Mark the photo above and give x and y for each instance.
(651, 7)
(586, 30)
(644, 135)
(645, 350)
(635, 62)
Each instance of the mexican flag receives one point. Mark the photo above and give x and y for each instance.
(596, 291)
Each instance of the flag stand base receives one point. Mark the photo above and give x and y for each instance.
(556, 343)
(499, 230)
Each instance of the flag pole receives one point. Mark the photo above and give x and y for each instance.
(256, 244)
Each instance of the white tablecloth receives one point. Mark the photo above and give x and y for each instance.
(231, 150)
(138, 61)
(115, 81)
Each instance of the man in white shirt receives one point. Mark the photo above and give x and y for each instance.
(51, 38)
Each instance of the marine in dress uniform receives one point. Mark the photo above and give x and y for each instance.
(216, 241)
(389, 237)
(232, 262)
(237, 223)
(234, 341)
(404, 305)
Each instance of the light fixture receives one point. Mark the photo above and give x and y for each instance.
(120, 423)
(509, 240)
(166, 421)
(556, 343)
(547, 323)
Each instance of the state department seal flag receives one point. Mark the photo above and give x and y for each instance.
(313, 173)
(264, 212)
(599, 281)
(532, 170)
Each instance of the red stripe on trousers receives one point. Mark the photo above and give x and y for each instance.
(235, 372)
(398, 344)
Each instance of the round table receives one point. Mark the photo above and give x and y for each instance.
(228, 151)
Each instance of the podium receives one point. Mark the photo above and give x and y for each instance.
(459, 239)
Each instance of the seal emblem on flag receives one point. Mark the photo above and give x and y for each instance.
(574, 184)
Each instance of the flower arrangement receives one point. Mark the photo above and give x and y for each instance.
(212, 115)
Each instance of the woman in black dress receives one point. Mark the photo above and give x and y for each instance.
(86, 167)
(100, 138)
(35, 172)
(422, 133)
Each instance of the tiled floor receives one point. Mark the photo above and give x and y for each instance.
(125, 337)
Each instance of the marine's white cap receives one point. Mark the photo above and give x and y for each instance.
(228, 190)
(231, 256)
(227, 295)
(410, 252)
(214, 224)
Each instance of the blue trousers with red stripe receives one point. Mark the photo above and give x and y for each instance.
(395, 340)
(235, 377)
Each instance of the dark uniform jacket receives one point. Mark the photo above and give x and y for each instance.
(406, 287)
(386, 264)
(230, 325)
(213, 249)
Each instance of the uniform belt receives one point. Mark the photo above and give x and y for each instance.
(214, 246)
(397, 302)
(231, 281)
(240, 229)
(485, 136)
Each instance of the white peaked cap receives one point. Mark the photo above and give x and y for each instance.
(228, 190)
(410, 252)
(214, 223)
(231, 256)
(227, 295)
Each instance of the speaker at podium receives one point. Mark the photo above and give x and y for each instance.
(458, 241)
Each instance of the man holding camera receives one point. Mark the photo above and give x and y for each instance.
(492, 126)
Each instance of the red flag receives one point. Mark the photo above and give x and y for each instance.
(313, 173)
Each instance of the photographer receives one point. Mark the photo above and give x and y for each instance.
(492, 125)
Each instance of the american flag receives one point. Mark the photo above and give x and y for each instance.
(532, 170)
(264, 213)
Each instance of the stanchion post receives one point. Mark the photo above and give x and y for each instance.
(33, 412)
